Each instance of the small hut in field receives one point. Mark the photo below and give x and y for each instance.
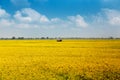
(59, 40)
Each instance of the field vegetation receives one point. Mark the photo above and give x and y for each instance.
(66, 60)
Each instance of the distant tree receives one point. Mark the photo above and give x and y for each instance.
(42, 37)
(13, 37)
(47, 37)
(20, 37)
(111, 37)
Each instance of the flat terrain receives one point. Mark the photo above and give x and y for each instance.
(67, 60)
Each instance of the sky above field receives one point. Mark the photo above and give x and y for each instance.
(60, 18)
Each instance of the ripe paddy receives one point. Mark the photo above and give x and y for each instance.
(67, 60)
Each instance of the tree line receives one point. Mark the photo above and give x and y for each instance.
(44, 38)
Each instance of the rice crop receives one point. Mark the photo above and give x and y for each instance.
(66, 60)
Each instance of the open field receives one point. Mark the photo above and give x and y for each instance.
(67, 60)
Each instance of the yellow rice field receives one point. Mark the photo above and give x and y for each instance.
(67, 60)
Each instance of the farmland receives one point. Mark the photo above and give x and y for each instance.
(67, 60)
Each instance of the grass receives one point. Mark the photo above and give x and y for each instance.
(67, 60)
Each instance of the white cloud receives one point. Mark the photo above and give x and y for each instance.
(30, 15)
(6, 23)
(23, 25)
(18, 16)
(55, 20)
(36, 23)
(113, 16)
(5, 18)
(107, 17)
(43, 18)
(3, 13)
(78, 21)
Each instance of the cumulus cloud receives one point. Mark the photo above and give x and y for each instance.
(3, 13)
(55, 20)
(6, 23)
(108, 17)
(73, 25)
(18, 16)
(113, 16)
(30, 15)
(78, 21)
(5, 18)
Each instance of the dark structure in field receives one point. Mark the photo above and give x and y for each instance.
(59, 40)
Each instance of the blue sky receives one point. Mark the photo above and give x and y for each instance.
(60, 18)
